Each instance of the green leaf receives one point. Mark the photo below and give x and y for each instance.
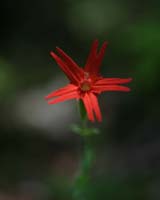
(76, 129)
(83, 131)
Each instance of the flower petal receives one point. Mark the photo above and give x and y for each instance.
(108, 81)
(100, 58)
(66, 69)
(88, 106)
(92, 56)
(67, 96)
(95, 59)
(95, 106)
(67, 89)
(71, 64)
(99, 88)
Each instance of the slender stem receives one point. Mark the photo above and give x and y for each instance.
(83, 176)
(88, 155)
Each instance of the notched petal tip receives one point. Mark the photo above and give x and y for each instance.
(46, 97)
(52, 54)
(105, 43)
(130, 79)
(95, 41)
(58, 49)
(94, 47)
(123, 89)
(49, 102)
(103, 48)
(127, 90)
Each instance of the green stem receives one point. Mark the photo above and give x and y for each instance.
(88, 154)
(82, 179)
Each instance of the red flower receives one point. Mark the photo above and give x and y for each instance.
(87, 83)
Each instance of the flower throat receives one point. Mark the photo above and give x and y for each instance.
(86, 83)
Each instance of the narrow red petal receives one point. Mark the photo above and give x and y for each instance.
(92, 56)
(96, 107)
(65, 97)
(108, 81)
(67, 89)
(95, 59)
(69, 73)
(99, 89)
(73, 66)
(88, 106)
(100, 57)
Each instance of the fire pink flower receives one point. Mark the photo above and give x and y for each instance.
(86, 83)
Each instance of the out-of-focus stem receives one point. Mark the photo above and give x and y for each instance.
(83, 176)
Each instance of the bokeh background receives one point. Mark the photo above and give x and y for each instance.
(39, 154)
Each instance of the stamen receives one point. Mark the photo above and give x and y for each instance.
(86, 75)
(85, 86)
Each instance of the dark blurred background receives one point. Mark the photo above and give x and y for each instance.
(39, 155)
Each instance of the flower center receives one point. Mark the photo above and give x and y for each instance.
(85, 86)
